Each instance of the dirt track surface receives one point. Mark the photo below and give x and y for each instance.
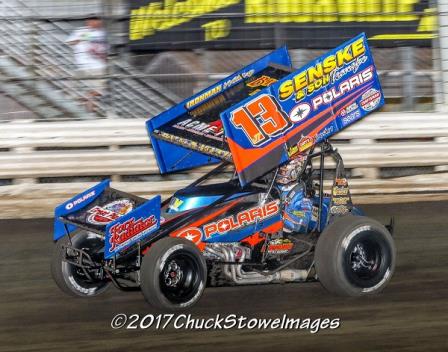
(410, 315)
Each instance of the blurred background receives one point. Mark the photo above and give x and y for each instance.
(78, 79)
(160, 52)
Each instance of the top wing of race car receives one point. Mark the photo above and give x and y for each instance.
(264, 114)
(191, 133)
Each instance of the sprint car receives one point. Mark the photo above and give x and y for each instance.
(262, 215)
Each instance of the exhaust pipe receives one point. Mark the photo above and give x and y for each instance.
(235, 273)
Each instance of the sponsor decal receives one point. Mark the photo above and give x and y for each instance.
(122, 233)
(263, 81)
(79, 200)
(340, 197)
(300, 112)
(184, 142)
(222, 86)
(339, 191)
(278, 246)
(304, 144)
(344, 87)
(348, 109)
(352, 67)
(232, 81)
(192, 234)
(325, 133)
(353, 116)
(339, 209)
(208, 105)
(242, 219)
(340, 201)
(317, 76)
(247, 74)
(102, 215)
(370, 99)
(154, 25)
(204, 96)
(212, 130)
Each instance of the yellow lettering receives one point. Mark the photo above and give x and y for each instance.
(329, 64)
(216, 29)
(343, 56)
(428, 22)
(304, 11)
(405, 8)
(300, 81)
(136, 24)
(315, 72)
(325, 11)
(286, 89)
(163, 15)
(358, 48)
(389, 10)
(347, 10)
(255, 11)
(159, 16)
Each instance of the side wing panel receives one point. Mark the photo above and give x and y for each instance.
(132, 227)
(73, 205)
(302, 109)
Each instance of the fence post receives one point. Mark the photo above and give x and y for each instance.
(407, 57)
(109, 86)
(443, 40)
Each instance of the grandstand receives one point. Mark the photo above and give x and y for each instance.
(38, 75)
(38, 72)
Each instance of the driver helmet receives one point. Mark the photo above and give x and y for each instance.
(290, 172)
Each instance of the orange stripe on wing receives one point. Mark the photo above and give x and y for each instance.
(246, 157)
(332, 117)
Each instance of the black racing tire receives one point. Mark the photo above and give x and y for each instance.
(173, 274)
(70, 279)
(355, 256)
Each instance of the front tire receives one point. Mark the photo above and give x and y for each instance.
(355, 256)
(71, 279)
(173, 274)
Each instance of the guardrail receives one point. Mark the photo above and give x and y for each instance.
(43, 164)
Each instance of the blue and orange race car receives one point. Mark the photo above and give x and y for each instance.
(261, 215)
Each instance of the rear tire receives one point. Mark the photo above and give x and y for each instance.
(69, 278)
(355, 256)
(173, 274)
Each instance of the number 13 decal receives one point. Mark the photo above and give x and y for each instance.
(260, 119)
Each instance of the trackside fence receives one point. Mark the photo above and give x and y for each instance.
(391, 157)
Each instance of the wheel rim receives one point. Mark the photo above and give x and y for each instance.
(367, 259)
(180, 277)
(75, 275)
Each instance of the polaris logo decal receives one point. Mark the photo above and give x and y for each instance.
(79, 200)
(242, 219)
(192, 234)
